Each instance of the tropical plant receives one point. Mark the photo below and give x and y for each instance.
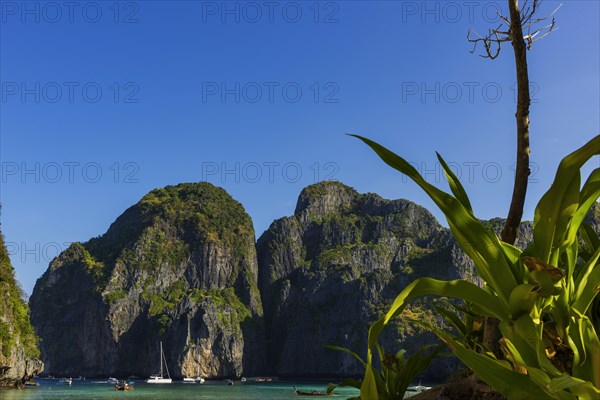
(397, 371)
(545, 297)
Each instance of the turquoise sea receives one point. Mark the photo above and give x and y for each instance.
(85, 390)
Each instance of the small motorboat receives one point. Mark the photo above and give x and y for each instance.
(188, 380)
(230, 382)
(66, 381)
(124, 386)
(311, 393)
(112, 381)
(200, 380)
(417, 389)
(243, 379)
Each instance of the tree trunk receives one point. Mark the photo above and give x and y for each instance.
(472, 387)
(492, 333)
(511, 227)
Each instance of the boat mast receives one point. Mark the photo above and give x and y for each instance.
(161, 360)
(166, 366)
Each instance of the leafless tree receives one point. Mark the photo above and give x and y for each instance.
(527, 16)
(522, 28)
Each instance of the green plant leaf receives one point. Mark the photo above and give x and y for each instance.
(453, 320)
(590, 192)
(368, 389)
(416, 364)
(512, 253)
(455, 186)
(589, 237)
(584, 390)
(552, 282)
(585, 344)
(475, 240)
(560, 202)
(522, 299)
(488, 304)
(587, 284)
(526, 337)
(347, 351)
(459, 289)
(345, 383)
(511, 384)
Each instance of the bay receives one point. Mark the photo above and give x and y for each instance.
(211, 390)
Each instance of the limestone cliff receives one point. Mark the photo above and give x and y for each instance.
(329, 271)
(19, 356)
(177, 267)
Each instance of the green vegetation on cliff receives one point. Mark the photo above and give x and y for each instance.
(231, 311)
(199, 210)
(152, 232)
(15, 328)
(182, 255)
(218, 217)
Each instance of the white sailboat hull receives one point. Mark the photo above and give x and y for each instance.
(159, 380)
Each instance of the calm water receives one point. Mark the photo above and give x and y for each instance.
(85, 390)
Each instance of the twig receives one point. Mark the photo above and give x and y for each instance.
(492, 42)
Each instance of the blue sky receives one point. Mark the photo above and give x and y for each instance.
(103, 101)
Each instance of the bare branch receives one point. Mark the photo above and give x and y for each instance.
(503, 18)
(492, 42)
(544, 35)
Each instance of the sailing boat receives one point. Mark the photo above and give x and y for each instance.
(160, 378)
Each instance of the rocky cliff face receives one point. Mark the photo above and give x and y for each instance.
(329, 270)
(178, 267)
(19, 356)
